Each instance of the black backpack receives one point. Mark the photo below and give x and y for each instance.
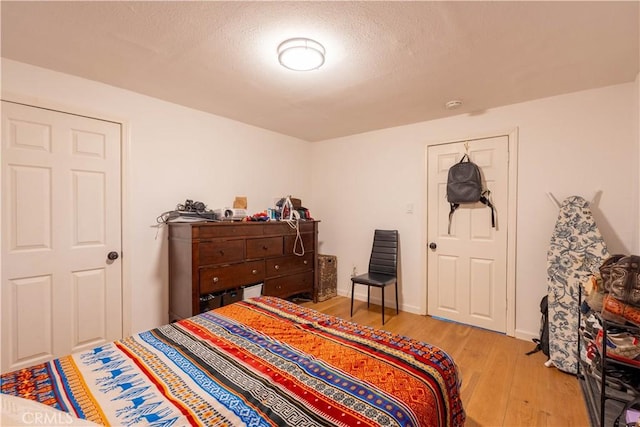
(543, 342)
(464, 185)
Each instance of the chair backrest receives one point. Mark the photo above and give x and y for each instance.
(384, 254)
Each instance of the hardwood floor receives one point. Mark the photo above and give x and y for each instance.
(501, 386)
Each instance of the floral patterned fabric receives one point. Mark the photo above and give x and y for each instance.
(576, 252)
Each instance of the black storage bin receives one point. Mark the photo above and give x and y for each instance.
(210, 301)
(231, 296)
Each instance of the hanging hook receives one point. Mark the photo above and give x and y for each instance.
(466, 147)
(553, 199)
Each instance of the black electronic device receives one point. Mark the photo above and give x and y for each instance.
(191, 206)
(188, 211)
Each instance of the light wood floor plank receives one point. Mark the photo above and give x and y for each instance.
(500, 385)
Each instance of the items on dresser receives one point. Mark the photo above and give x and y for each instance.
(209, 259)
(189, 211)
(230, 214)
(290, 208)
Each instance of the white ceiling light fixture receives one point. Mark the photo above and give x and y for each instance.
(453, 104)
(301, 54)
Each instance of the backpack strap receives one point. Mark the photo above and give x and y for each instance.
(536, 349)
(454, 206)
(485, 200)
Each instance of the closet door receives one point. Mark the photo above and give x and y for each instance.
(61, 217)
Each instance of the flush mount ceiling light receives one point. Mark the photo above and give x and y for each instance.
(301, 54)
(453, 104)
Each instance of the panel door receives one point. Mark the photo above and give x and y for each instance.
(61, 215)
(467, 269)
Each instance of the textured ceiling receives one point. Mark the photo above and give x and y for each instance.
(388, 63)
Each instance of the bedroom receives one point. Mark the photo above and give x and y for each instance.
(174, 152)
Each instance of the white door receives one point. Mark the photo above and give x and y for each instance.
(467, 269)
(61, 216)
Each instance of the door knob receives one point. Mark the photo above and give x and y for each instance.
(433, 246)
(113, 255)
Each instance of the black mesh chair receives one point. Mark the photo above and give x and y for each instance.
(383, 266)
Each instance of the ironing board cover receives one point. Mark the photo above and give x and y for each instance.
(576, 252)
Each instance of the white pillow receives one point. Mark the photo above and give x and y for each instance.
(17, 411)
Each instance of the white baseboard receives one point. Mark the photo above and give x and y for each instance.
(362, 297)
(526, 335)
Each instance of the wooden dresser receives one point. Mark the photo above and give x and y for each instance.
(210, 257)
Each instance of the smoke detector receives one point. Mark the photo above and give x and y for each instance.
(453, 104)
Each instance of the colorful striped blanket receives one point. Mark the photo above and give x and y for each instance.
(260, 362)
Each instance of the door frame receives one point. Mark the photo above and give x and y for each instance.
(124, 195)
(512, 136)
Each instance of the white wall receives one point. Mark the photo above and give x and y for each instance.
(174, 153)
(571, 144)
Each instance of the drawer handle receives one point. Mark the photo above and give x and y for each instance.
(215, 280)
(277, 267)
(265, 247)
(222, 252)
(254, 271)
(305, 262)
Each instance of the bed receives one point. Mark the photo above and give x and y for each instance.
(260, 362)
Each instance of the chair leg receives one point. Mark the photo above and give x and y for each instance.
(368, 295)
(382, 304)
(352, 286)
(397, 309)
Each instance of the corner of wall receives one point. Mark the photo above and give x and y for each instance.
(637, 137)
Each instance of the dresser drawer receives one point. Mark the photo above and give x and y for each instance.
(283, 227)
(221, 252)
(289, 285)
(279, 227)
(288, 264)
(307, 242)
(214, 279)
(228, 230)
(264, 247)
